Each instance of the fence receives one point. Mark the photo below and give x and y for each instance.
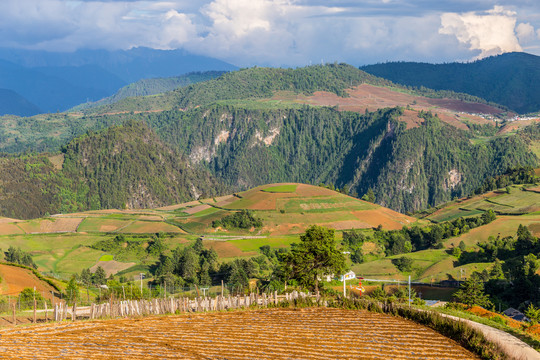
(128, 291)
(135, 308)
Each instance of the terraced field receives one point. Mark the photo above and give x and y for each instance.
(517, 202)
(265, 334)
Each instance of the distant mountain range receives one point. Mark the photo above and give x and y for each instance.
(52, 82)
(510, 79)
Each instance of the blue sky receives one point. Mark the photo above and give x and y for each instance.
(280, 32)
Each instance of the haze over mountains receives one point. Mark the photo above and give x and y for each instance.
(51, 82)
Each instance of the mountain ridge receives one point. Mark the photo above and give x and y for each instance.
(508, 79)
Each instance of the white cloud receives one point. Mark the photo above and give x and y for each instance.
(277, 32)
(490, 33)
(525, 33)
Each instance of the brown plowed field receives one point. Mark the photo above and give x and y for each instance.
(15, 279)
(51, 226)
(266, 334)
(389, 219)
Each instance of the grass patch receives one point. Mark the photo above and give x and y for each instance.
(107, 257)
(281, 189)
(247, 245)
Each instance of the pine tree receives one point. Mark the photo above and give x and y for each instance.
(472, 293)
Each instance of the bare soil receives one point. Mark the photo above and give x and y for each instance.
(389, 219)
(15, 279)
(315, 333)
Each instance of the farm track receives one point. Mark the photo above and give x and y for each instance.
(316, 333)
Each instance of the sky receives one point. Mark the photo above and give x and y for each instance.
(280, 32)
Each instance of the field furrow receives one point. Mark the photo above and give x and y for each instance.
(314, 334)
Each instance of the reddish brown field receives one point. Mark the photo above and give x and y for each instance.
(373, 97)
(15, 279)
(266, 334)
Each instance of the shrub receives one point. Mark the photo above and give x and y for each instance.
(403, 264)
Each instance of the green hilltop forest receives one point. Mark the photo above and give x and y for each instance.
(219, 135)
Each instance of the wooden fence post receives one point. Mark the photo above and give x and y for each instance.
(34, 320)
(65, 309)
(74, 312)
(14, 315)
(46, 311)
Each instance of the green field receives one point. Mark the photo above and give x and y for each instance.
(107, 257)
(285, 215)
(281, 189)
(58, 253)
(254, 244)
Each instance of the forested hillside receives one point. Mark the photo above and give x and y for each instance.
(510, 79)
(122, 167)
(408, 169)
(235, 129)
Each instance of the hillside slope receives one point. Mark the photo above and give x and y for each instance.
(264, 83)
(409, 168)
(510, 79)
(259, 126)
(124, 166)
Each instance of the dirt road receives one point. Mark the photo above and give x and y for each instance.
(512, 346)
